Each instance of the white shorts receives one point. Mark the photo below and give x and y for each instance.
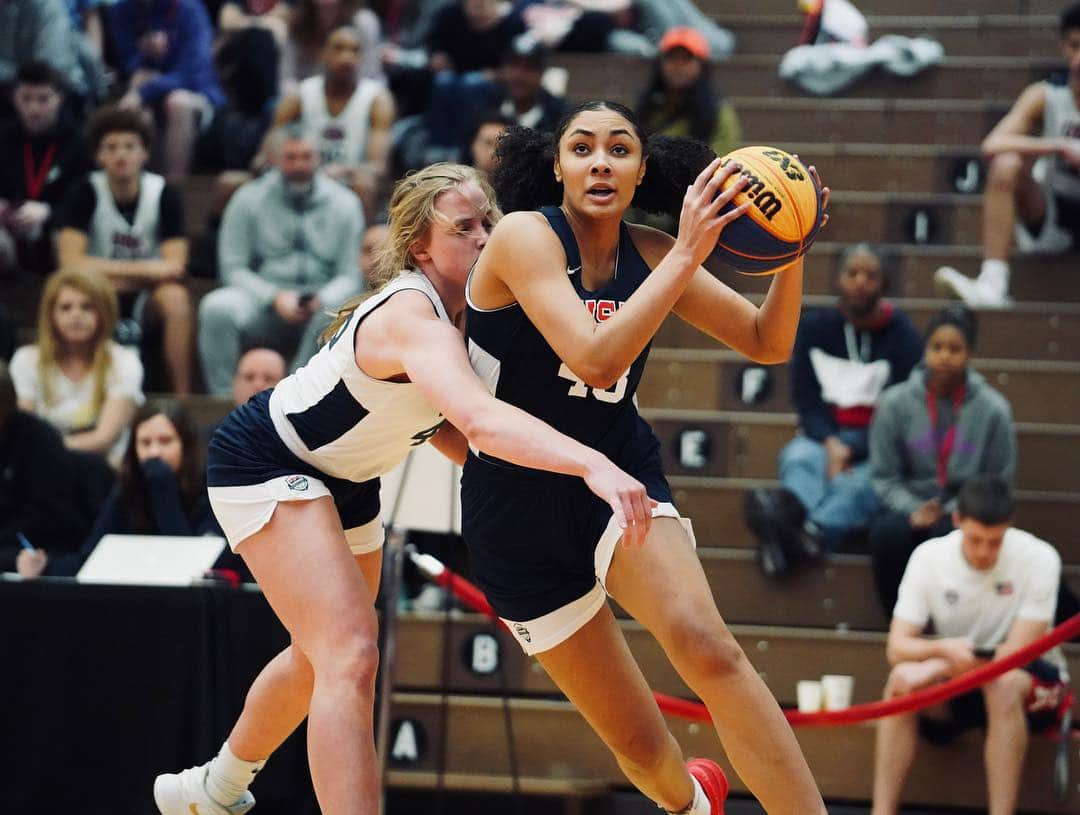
(544, 633)
(244, 510)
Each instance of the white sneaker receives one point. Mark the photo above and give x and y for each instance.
(977, 293)
(184, 793)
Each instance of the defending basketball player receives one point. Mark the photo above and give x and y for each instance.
(293, 478)
(548, 567)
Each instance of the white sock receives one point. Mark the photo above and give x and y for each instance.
(700, 804)
(228, 777)
(995, 273)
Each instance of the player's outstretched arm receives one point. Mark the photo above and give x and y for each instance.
(433, 356)
(525, 256)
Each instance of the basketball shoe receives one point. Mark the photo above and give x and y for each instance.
(712, 780)
(184, 793)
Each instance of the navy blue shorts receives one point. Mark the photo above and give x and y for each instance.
(532, 535)
(246, 452)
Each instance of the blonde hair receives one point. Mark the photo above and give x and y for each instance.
(103, 298)
(411, 215)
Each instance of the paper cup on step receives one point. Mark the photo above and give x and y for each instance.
(808, 695)
(836, 690)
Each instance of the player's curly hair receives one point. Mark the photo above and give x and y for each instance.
(524, 178)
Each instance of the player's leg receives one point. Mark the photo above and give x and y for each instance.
(897, 736)
(596, 671)
(280, 696)
(1006, 738)
(663, 586)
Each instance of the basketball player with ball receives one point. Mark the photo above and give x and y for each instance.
(562, 306)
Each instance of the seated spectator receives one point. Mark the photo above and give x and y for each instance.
(247, 53)
(311, 24)
(929, 435)
(76, 377)
(468, 36)
(681, 99)
(514, 91)
(1033, 187)
(38, 31)
(39, 498)
(251, 36)
(163, 51)
(844, 358)
(348, 117)
(373, 244)
(989, 590)
(486, 132)
(160, 490)
(128, 225)
(46, 156)
(258, 369)
(287, 253)
(518, 91)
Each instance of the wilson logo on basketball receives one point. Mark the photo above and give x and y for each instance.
(763, 199)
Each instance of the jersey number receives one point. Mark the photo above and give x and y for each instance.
(612, 395)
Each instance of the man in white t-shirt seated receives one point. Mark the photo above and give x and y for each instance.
(989, 590)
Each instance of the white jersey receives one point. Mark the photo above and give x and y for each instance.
(112, 235)
(343, 422)
(1061, 119)
(340, 139)
(939, 585)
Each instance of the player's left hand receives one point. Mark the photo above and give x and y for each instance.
(626, 496)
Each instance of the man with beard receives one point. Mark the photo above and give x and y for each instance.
(287, 253)
(843, 359)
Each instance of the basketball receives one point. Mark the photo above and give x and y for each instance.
(784, 216)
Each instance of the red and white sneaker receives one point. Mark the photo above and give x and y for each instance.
(712, 780)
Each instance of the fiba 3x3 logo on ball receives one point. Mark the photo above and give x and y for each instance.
(784, 217)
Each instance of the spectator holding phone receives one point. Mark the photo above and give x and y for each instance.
(929, 435)
(287, 253)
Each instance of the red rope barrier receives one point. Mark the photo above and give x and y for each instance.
(472, 597)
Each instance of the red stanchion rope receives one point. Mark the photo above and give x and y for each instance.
(472, 597)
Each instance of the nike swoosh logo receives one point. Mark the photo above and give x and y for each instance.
(573, 271)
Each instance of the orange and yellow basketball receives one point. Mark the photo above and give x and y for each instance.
(784, 216)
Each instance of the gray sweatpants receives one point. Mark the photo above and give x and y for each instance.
(232, 319)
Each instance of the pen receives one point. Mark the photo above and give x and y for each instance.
(23, 542)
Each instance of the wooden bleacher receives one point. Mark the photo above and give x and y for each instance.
(889, 148)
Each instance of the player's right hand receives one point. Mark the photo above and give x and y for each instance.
(701, 223)
(626, 496)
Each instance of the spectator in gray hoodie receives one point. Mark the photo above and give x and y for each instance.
(929, 435)
(287, 254)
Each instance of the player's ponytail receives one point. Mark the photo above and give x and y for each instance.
(674, 162)
(524, 178)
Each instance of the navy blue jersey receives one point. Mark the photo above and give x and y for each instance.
(519, 366)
